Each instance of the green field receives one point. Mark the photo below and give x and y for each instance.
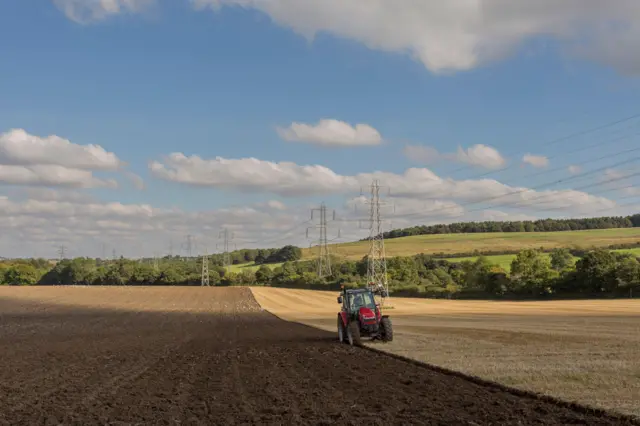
(504, 260)
(498, 241)
(252, 267)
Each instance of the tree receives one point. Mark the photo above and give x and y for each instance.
(264, 275)
(561, 259)
(531, 272)
(595, 271)
(628, 274)
(21, 274)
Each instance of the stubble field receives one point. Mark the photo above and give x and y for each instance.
(491, 241)
(181, 355)
(582, 351)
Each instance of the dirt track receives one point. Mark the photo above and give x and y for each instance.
(213, 357)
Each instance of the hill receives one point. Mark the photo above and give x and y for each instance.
(505, 242)
(541, 225)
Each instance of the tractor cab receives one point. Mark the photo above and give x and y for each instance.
(361, 316)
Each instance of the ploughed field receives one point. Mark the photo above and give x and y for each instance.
(212, 356)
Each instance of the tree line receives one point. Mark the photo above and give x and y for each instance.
(542, 225)
(532, 274)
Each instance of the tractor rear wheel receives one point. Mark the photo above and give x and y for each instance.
(341, 337)
(353, 333)
(387, 329)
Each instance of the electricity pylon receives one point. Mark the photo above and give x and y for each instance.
(205, 270)
(376, 259)
(324, 258)
(226, 256)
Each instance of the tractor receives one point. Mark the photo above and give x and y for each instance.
(361, 316)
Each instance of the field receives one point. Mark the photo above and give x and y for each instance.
(498, 241)
(504, 260)
(184, 355)
(583, 351)
(252, 267)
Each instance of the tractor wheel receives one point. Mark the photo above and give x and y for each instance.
(387, 329)
(353, 333)
(341, 337)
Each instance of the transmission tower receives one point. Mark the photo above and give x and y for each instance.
(205, 269)
(156, 262)
(324, 259)
(376, 260)
(188, 245)
(62, 252)
(226, 256)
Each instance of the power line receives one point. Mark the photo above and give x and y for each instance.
(558, 140)
(520, 191)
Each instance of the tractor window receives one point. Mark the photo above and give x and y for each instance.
(359, 300)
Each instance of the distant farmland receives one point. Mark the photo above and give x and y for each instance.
(504, 260)
(499, 241)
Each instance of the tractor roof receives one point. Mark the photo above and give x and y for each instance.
(358, 290)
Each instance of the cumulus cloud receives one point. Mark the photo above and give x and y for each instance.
(463, 34)
(27, 159)
(248, 174)
(574, 169)
(17, 147)
(86, 11)
(50, 175)
(480, 155)
(36, 226)
(535, 160)
(477, 155)
(136, 180)
(293, 180)
(329, 132)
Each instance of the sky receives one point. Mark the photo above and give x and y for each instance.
(126, 125)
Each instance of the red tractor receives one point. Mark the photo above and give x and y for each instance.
(361, 316)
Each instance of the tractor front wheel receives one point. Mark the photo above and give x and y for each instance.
(353, 334)
(340, 330)
(387, 329)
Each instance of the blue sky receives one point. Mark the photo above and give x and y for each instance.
(169, 77)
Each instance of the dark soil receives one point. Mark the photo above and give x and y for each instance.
(238, 365)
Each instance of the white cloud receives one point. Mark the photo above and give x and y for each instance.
(135, 180)
(293, 180)
(463, 34)
(17, 147)
(535, 160)
(479, 155)
(34, 227)
(51, 175)
(277, 205)
(613, 174)
(37, 226)
(61, 195)
(86, 11)
(27, 159)
(574, 169)
(476, 155)
(248, 174)
(329, 132)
